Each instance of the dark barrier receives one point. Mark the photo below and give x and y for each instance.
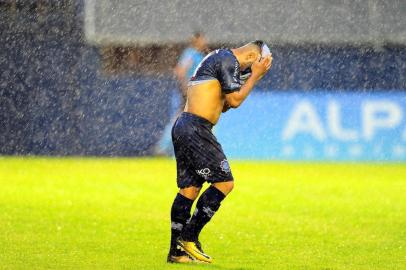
(55, 99)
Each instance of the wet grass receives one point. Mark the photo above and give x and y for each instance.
(76, 213)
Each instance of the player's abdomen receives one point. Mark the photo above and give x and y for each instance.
(205, 100)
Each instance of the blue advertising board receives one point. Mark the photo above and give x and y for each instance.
(316, 126)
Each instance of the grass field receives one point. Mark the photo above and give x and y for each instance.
(114, 214)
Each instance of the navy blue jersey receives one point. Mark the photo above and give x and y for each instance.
(219, 65)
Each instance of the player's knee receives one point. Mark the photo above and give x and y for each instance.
(230, 186)
(225, 187)
(190, 192)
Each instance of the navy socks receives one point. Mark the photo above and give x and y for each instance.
(207, 205)
(180, 214)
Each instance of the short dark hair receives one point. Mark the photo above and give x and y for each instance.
(259, 43)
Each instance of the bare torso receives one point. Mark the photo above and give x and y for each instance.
(205, 100)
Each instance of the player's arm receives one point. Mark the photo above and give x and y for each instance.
(259, 69)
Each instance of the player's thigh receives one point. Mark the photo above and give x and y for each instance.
(187, 180)
(211, 163)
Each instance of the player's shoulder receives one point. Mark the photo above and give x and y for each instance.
(225, 53)
(227, 57)
(221, 58)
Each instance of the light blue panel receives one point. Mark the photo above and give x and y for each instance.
(316, 126)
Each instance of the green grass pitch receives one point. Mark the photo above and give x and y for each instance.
(88, 213)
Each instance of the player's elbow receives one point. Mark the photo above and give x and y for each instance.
(233, 102)
(234, 105)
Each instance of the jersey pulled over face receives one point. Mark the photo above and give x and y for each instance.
(219, 65)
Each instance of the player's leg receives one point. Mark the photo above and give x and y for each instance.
(180, 214)
(224, 187)
(216, 171)
(206, 162)
(207, 205)
(188, 192)
(180, 211)
(189, 189)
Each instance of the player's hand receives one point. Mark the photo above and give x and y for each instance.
(261, 66)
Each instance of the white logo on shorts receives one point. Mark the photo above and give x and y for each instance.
(205, 173)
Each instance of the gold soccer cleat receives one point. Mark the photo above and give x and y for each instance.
(194, 250)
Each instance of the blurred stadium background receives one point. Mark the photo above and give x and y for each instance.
(95, 77)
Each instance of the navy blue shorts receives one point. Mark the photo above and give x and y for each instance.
(199, 156)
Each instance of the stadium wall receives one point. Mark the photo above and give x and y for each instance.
(312, 21)
(55, 98)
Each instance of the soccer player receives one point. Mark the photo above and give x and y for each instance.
(216, 85)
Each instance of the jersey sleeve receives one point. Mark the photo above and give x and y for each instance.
(229, 76)
(244, 75)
